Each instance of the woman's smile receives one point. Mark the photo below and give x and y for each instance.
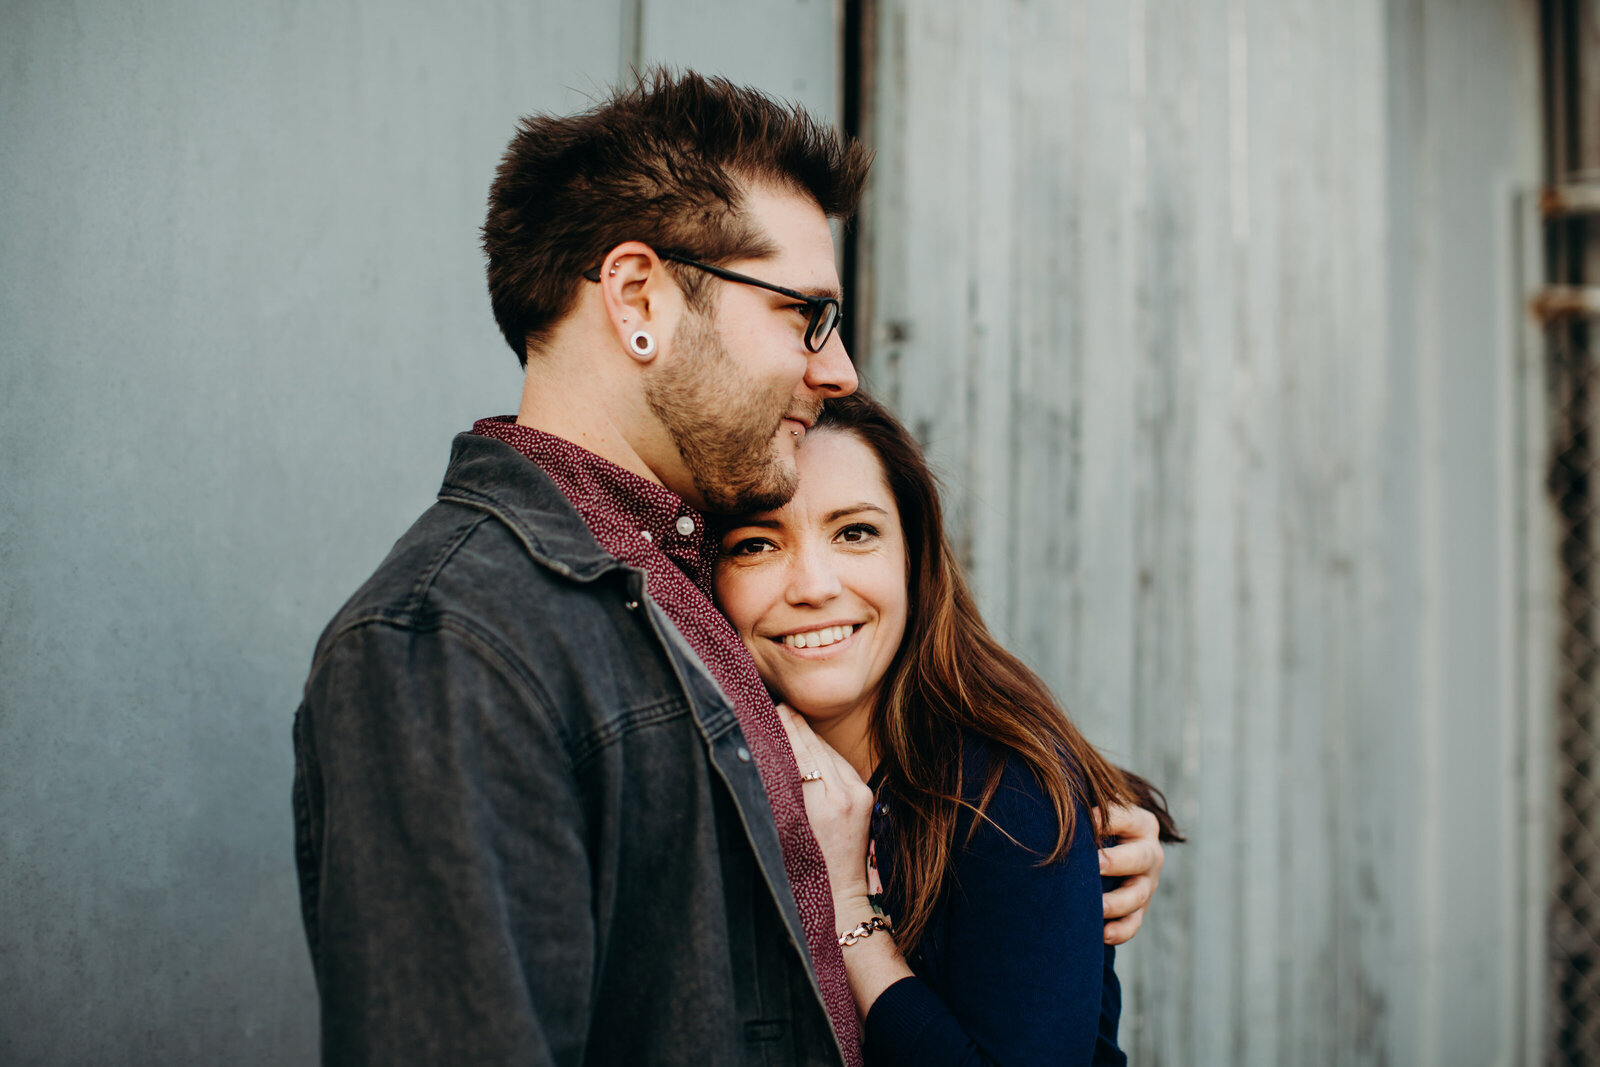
(832, 638)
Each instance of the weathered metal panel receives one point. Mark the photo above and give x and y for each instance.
(1536, 621)
(1175, 295)
(789, 48)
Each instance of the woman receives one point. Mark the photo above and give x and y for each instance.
(851, 602)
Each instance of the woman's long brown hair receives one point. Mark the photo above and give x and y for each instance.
(949, 677)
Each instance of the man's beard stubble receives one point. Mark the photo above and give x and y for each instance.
(724, 429)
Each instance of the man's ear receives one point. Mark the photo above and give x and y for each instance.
(642, 299)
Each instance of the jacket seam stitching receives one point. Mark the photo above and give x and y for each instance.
(431, 571)
(581, 749)
(495, 656)
(595, 741)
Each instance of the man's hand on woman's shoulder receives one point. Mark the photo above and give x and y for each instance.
(1136, 858)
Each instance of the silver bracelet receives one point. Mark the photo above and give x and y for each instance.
(865, 929)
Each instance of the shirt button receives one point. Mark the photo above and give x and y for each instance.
(685, 525)
(743, 754)
(646, 535)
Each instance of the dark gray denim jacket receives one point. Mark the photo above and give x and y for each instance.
(528, 829)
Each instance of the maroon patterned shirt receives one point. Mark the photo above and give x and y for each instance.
(648, 526)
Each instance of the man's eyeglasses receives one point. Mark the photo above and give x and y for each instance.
(825, 310)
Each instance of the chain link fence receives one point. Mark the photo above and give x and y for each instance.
(1570, 307)
(1574, 484)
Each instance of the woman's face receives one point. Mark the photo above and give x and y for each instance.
(817, 588)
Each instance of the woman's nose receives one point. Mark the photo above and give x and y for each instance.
(812, 579)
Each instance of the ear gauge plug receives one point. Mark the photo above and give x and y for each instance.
(642, 343)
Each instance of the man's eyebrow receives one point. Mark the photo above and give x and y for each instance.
(818, 291)
(854, 509)
(823, 290)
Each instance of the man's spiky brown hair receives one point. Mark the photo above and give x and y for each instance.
(666, 162)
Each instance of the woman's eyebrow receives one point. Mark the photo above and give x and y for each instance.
(852, 510)
(765, 524)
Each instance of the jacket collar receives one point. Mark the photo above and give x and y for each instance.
(493, 477)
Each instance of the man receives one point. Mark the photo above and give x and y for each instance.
(545, 809)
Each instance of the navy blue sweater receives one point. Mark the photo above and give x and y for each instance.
(1013, 968)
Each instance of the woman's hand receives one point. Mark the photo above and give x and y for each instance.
(839, 806)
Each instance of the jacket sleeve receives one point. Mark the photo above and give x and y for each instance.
(1023, 950)
(445, 883)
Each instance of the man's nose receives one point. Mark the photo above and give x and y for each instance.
(830, 371)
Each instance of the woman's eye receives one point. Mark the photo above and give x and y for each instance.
(857, 532)
(750, 546)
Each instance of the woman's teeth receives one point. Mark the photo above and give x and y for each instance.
(817, 638)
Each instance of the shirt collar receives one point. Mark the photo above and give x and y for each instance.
(609, 496)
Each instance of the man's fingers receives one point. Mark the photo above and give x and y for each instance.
(1122, 931)
(1118, 820)
(1137, 859)
(1132, 857)
(1128, 898)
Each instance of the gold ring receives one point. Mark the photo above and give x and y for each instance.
(813, 776)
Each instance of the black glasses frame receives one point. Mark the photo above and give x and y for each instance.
(826, 311)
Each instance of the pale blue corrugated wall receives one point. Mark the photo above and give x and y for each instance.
(1208, 312)
(243, 313)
